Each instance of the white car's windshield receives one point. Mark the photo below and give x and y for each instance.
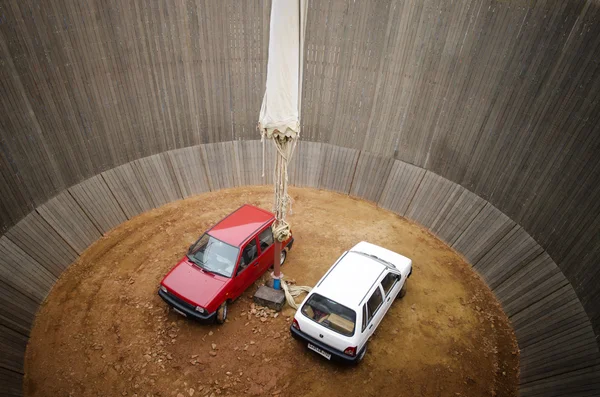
(213, 255)
(330, 314)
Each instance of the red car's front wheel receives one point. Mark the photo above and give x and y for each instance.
(222, 313)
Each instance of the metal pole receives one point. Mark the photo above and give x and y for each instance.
(277, 265)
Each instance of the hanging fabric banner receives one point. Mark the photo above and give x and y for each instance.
(279, 110)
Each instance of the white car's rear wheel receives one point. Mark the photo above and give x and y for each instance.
(361, 355)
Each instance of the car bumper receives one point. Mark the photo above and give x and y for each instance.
(335, 354)
(210, 317)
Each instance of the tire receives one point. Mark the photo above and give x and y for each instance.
(221, 313)
(361, 355)
(283, 257)
(402, 292)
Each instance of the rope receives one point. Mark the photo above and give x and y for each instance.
(293, 291)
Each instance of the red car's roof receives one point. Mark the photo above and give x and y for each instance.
(240, 224)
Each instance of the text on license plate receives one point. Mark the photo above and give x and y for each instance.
(320, 351)
(180, 312)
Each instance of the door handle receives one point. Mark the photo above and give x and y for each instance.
(370, 326)
(388, 299)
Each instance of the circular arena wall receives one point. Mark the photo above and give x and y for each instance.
(477, 119)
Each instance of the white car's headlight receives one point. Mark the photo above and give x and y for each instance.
(199, 309)
(163, 289)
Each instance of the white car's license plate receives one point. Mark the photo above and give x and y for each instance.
(320, 351)
(180, 312)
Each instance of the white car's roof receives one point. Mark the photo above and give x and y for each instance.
(350, 280)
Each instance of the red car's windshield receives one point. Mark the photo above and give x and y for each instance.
(213, 255)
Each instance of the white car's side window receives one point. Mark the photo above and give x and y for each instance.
(374, 303)
(389, 282)
(365, 317)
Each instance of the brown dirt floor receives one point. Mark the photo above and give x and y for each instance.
(103, 331)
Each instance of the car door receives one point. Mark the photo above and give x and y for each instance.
(391, 284)
(266, 252)
(375, 310)
(245, 273)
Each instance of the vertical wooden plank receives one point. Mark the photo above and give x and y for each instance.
(156, 175)
(70, 221)
(20, 270)
(400, 187)
(339, 165)
(220, 165)
(488, 227)
(305, 169)
(17, 310)
(128, 190)
(99, 204)
(11, 383)
(249, 157)
(12, 346)
(36, 237)
(371, 175)
(189, 170)
(507, 256)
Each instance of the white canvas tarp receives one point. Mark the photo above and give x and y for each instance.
(280, 107)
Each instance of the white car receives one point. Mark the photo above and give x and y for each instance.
(337, 318)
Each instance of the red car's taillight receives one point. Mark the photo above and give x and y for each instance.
(350, 351)
(296, 325)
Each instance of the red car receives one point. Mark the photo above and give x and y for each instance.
(219, 267)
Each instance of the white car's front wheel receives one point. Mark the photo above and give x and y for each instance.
(402, 292)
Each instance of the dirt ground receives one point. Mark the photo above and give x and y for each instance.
(103, 330)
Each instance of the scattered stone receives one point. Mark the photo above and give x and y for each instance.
(180, 395)
(228, 373)
(214, 346)
(413, 307)
(210, 333)
(212, 353)
(194, 356)
(263, 319)
(451, 318)
(191, 392)
(252, 342)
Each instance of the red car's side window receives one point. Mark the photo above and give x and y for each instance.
(249, 254)
(266, 239)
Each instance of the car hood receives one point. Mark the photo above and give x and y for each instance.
(193, 284)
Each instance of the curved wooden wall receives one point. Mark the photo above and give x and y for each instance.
(500, 97)
(559, 354)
